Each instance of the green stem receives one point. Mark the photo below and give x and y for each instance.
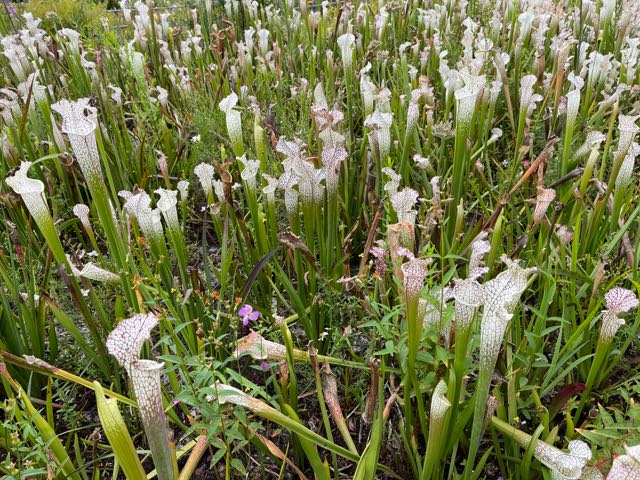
(482, 392)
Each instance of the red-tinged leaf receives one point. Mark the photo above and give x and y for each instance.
(561, 398)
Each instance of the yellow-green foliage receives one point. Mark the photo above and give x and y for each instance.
(81, 15)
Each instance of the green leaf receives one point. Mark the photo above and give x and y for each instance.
(525, 466)
(254, 274)
(599, 437)
(116, 431)
(237, 465)
(320, 468)
(366, 469)
(48, 434)
(387, 350)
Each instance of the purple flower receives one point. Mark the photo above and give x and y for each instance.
(264, 366)
(247, 313)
